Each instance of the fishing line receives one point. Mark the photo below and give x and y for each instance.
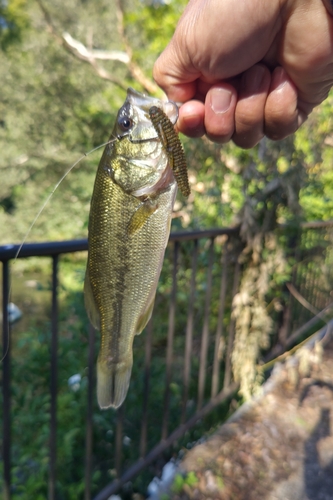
(54, 190)
(110, 141)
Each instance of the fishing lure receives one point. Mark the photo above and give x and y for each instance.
(173, 147)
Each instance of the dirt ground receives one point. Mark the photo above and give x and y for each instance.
(279, 446)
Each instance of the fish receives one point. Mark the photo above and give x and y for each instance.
(129, 226)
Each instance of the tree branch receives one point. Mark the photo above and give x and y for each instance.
(85, 54)
(134, 68)
(90, 56)
(301, 299)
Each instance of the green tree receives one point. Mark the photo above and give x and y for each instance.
(62, 83)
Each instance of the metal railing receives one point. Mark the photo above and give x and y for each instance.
(187, 348)
(201, 274)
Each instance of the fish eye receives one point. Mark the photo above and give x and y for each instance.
(125, 123)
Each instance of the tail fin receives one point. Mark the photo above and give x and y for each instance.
(112, 383)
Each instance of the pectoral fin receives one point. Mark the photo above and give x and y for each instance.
(141, 215)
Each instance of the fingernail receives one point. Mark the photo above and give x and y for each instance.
(220, 100)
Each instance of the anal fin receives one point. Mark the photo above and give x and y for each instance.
(89, 302)
(144, 318)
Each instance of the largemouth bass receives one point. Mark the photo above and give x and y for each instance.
(129, 226)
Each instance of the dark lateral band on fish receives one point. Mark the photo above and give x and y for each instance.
(173, 147)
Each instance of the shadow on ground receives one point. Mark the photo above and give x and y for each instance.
(318, 477)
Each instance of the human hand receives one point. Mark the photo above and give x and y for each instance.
(248, 69)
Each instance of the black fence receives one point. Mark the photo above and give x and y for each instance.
(186, 348)
(199, 278)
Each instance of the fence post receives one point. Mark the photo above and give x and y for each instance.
(6, 381)
(54, 380)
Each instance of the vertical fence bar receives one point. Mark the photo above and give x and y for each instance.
(219, 329)
(310, 290)
(89, 419)
(169, 354)
(228, 365)
(205, 330)
(189, 332)
(314, 297)
(304, 281)
(54, 379)
(6, 440)
(146, 378)
(119, 439)
(298, 245)
(306, 291)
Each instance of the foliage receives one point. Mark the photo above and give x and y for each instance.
(13, 21)
(180, 482)
(150, 24)
(53, 109)
(315, 142)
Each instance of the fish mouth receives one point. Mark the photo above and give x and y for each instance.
(142, 103)
(133, 120)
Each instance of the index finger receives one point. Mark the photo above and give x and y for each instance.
(169, 73)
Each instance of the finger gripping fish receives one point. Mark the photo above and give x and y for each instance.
(129, 226)
(173, 147)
